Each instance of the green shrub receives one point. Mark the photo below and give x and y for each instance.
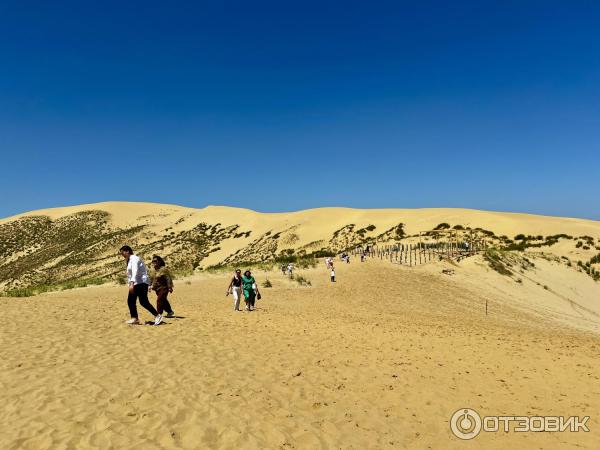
(497, 262)
(302, 281)
(40, 289)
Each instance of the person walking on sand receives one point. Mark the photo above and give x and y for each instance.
(250, 290)
(235, 288)
(283, 269)
(290, 269)
(162, 284)
(332, 274)
(138, 280)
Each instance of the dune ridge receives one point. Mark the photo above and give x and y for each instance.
(80, 242)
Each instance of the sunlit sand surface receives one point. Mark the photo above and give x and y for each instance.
(380, 359)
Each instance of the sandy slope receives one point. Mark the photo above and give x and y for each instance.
(380, 359)
(315, 226)
(323, 221)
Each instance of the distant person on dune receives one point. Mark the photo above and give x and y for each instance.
(332, 274)
(283, 269)
(250, 290)
(290, 269)
(138, 281)
(162, 284)
(235, 288)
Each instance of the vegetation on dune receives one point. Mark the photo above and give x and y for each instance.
(39, 254)
(36, 290)
(524, 242)
(300, 262)
(37, 251)
(507, 262)
(497, 261)
(302, 281)
(395, 233)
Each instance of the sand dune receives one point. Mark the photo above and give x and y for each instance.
(331, 218)
(380, 359)
(61, 244)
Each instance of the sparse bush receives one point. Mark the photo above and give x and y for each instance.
(302, 281)
(36, 290)
(497, 262)
(267, 284)
(323, 253)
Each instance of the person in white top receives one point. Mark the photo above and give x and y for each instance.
(332, 274)
(138, 281)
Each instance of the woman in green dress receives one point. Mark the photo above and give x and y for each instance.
(250, 290)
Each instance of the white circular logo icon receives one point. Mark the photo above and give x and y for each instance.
(465, 423)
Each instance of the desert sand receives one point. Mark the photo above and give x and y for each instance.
(59, 245)
(380, 359)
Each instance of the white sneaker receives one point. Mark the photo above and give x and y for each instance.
(158, 319)
(133, 322)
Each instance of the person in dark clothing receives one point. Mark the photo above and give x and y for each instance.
(235, 288)
(162, 284)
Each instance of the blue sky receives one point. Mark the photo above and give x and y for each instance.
(279, 106)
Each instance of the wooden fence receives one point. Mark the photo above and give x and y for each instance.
(420, 253)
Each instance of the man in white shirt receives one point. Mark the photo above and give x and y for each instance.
(138, 281)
